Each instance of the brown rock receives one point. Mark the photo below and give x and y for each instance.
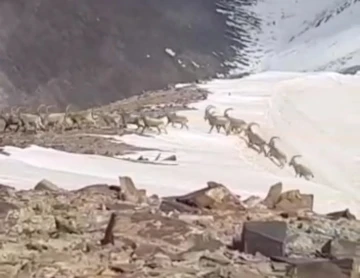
(273, 195)
(157, 260)
(215, 196)
(341, 214)
(322, 269)
(47, 185)
(5, 207)
(170, 205)
(94, 188)
(129, 192)
(202, 242)
(253, 201)
(341, 248)
(293, 201)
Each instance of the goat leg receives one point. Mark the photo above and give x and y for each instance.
(211, 128)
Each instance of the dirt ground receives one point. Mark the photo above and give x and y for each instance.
(85, 140)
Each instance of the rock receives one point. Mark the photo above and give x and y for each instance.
(5, 207)
(215, 196)
(94, 188)
(129, 191)
(294, 201)
(300, 244)
(170, 158)
(203, 242)
(321, 269)
(341, 214)
(267, 238)
(146, 250)
(158, 259)
(64, 226)
(170, 205)
(213, 259)
(273, 195)
(6, 187)
(252, 202)
(46, 185)
(205, 220)
(92, 233)
(340, 249)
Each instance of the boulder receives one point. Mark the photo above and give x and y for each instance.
(265, 237)
(128, 191)
(214, 196)
(341, 214)
(273, 195)
(294, 201)
(46, 185)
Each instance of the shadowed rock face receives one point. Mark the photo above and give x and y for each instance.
(92, 52)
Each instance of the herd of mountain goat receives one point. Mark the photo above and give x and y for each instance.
(44, 120)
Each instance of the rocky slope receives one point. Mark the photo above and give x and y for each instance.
(119, 231)
(89, 52)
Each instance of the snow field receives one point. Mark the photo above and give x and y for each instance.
(316, 115)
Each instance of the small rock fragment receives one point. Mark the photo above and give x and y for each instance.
(63, 226)
(170, 158)
(109, 235)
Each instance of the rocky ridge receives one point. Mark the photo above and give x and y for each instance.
(119, 231)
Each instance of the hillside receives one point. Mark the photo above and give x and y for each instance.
(93, 52)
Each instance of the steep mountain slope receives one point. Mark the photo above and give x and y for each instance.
(91, 52)
(298, 35)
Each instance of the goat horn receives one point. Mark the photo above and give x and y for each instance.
(209, 107)
(41, 105)
(273, 138)
(295, 156)
(18, 109)
(226, 111)
(251, 124)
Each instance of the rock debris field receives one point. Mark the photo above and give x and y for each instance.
(119, 231)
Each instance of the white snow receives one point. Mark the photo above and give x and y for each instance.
(316, 115)
(298, 35)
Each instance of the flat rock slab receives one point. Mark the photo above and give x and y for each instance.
(323, 269)
(341, 248)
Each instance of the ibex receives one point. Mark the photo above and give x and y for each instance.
(32, 120)
(215, 121)
(255, 139)
(150, 122)
(300, 170)
(275, 152)
(11, 119)
(173, 118)
(133, 119)
(57, 119)
(112, 119)
(79, 117)
(235, 123)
